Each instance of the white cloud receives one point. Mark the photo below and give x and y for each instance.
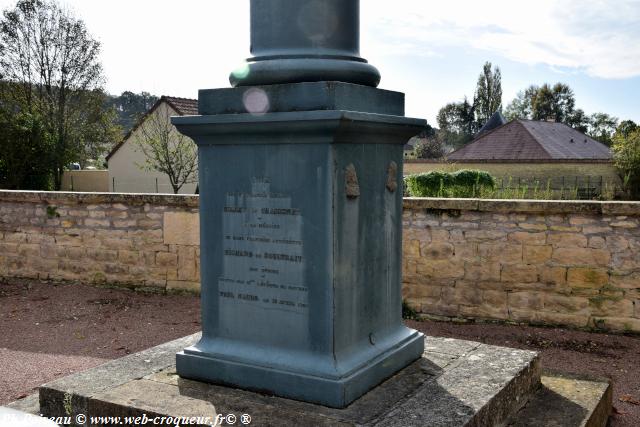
(597, 37)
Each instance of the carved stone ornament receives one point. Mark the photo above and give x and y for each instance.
(392, 177)
(352, 188)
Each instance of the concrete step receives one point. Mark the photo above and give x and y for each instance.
(567, 401)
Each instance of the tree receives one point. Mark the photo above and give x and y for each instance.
(25, 146)
(522, 104)
(626, 152)
(555, 103)
(457, 123)
(430, 148)
(52, 64)
(488, 97)
(602, 127)
(564, 102)
(130, 107)
(579, 121)
(100, 131)
(542, 104)
(550, 103)
(460, 121)
(625, 128)
(167, 150)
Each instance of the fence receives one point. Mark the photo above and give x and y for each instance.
(88, 181)
(567, 180)
(147, 185)
(584, 187)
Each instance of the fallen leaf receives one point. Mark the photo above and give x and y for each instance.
(629, 399)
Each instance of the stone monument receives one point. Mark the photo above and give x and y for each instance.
(300, 213)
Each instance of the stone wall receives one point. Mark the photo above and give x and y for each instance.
(547, 262)
(127, 240)
(564, 263)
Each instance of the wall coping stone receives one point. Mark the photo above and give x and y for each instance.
(508, 161)
(132, 199)
(584, 207)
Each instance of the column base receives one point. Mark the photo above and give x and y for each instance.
(327, 391)
(307, 69)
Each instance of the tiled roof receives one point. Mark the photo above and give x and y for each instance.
(182, 106)
(533, 140)
(496, 120)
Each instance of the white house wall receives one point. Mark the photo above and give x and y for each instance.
(128, 177)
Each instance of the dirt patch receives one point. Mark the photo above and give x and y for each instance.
(615, 357)
(52, 330)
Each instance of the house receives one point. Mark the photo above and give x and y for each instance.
(410, 148)
(533, 141)
(494, 121)
(125, 160)
(534, 153)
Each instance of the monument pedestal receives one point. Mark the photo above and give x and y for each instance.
(300, 243)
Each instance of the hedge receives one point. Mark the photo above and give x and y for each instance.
(464, 183)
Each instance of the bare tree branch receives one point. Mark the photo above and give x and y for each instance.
(167, 150)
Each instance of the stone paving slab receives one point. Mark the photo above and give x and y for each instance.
(567, 401)
(455, 383)
(480, 388)
(29, 404)
(81, 386)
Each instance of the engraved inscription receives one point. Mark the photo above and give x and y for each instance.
(263, 263)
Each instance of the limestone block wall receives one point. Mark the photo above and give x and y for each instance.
(560, 263)
(128, 240)
(547, 262)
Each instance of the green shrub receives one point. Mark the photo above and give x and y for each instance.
(409, 312)
(464, 183)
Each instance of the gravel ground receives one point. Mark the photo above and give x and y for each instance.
(49, 331)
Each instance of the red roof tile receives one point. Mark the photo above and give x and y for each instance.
(184, 106)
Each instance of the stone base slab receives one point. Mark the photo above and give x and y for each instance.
(455, 383)
(568, 401)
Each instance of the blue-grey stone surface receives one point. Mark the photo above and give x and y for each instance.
(300, 245)
(307, 96)
(296, 41)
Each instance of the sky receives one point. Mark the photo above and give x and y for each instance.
(433, 51)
